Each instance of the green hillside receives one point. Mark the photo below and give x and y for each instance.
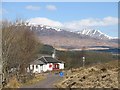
(73, 59)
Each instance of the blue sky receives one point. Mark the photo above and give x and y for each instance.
(71, 16)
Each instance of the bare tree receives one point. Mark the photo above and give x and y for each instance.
(19, 47)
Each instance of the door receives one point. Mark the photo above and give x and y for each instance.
(55, 66)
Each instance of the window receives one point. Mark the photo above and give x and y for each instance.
(36, 66)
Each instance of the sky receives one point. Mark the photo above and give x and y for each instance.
(73, 16)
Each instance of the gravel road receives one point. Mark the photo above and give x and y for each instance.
(46, 83)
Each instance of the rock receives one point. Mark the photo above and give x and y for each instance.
(73, 83)
(80, 80)
(103, 69)
(66, 77)
(71, 77)
(84, 77)
(103, 76)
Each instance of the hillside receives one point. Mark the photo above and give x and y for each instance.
(77, 39)
(95, 34)
(98, 76)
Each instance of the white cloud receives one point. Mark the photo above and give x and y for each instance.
(110, 21)
(91, 22)
(45, 21)
(76, 25)
(30, 7)
(51, 7)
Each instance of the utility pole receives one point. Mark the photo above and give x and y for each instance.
(83, 55)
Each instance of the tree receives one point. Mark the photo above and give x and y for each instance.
(19, 47)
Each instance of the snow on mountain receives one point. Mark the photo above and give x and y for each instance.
(95, 34)
(88, 32)
(43, 27)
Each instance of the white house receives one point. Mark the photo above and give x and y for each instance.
(45, 63)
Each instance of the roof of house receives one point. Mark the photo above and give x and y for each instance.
(45, 59)
(36, 62)
(49, 59)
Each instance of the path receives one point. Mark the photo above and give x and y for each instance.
(46, 83)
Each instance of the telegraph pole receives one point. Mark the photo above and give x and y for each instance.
(83, 55)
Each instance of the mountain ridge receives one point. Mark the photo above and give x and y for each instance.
(88, 32)
(68, 39)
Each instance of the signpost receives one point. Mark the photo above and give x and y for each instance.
(61, 74)
(83, 61)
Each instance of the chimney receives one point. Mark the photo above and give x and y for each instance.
(54, 54)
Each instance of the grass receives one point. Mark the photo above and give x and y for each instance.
(13, 83)
(96, 76)
(36, 79)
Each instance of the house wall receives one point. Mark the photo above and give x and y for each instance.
(61, 65)
(49, 68)
(35, 68)
(43, 68)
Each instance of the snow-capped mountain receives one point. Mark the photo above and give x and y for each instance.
(71, 39)
(91, 33)
(95, 34)
(43, 27)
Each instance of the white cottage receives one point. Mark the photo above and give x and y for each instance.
(45, 63)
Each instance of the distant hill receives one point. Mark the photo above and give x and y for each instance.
(96, 34)
(68, 39)
(64, 38)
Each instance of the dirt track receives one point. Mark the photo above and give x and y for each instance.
(46, 83)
